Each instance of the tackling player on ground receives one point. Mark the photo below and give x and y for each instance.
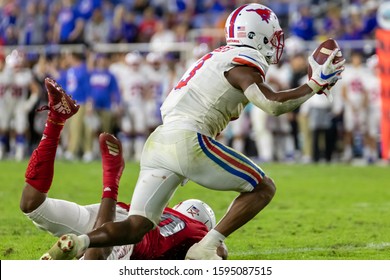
(211, 93)
(179, 228)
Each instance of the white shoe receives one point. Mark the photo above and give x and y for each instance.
(2, 152)
(19, 152)
(198, 252)
(88, 157)
(69, 156)
(66, 248)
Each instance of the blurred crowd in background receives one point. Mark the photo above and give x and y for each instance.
(29, 22)
(121, 91)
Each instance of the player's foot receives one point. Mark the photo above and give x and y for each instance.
(61, 105)
(66, 248)
(199, 252)
(112, 161)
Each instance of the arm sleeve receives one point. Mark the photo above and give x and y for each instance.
(255, 96)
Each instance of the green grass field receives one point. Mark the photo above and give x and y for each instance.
(322, 212)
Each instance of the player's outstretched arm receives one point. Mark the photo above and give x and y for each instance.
(251, 82)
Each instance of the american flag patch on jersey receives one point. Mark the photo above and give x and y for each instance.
(193, 211)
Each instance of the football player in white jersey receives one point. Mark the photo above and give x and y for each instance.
(5, 81)
(132, 83)
(372, 85)
(156, 72)
(21, 95)
(211, 93)
(355, 99)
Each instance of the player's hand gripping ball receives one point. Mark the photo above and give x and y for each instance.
(328, 73)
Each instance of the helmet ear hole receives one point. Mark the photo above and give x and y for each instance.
(265, 40)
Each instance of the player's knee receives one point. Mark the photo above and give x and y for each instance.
(31, 199)
(268, 188)
(139, 226)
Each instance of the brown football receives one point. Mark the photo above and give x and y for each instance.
(323, 51)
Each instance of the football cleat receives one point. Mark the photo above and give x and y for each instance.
(61, 105)
(66, 248)
(199, 252)
(112, 160)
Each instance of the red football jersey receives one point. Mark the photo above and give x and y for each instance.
(172, 238)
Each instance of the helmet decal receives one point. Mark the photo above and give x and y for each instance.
(197, 210)
(233, 19)
(265, 14)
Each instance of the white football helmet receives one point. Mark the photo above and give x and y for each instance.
(256, 26)
(15, 59)
(133, 58)
(154, 57)
(197, 210)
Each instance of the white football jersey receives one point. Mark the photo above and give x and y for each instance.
(155, 81)
(132, 85)
(203, 100)
(21, 83)
(353, 80)
(5, 81)
(372, 85)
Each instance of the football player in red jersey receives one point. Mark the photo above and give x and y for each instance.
(180, 227)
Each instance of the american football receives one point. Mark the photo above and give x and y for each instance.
(323, 51)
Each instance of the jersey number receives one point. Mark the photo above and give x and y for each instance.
(170, 225)
(200, 63)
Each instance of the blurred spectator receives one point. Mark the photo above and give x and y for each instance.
(320, 122)
(133, 125)
(279, 78)
(163, 39)
(303, 26)
(355, 101)
(96, 29)
(353, 26)
(116, 29)
(238, 130)
(77, 85)
(157, 73)
(19, 97)
(86, 8)
(9, 16)
(5, 84)
(129, 28)
(105, 97)
(332, 24)
(298, 65)
(148, 25)
(69, 26)
(139, 6)
(31, 25)
(369, 18)
(181, 32)
(372, 85)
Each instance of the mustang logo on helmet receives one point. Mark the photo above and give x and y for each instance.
(264, 13)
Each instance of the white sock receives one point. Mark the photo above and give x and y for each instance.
(212, 239)
(84, 242)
